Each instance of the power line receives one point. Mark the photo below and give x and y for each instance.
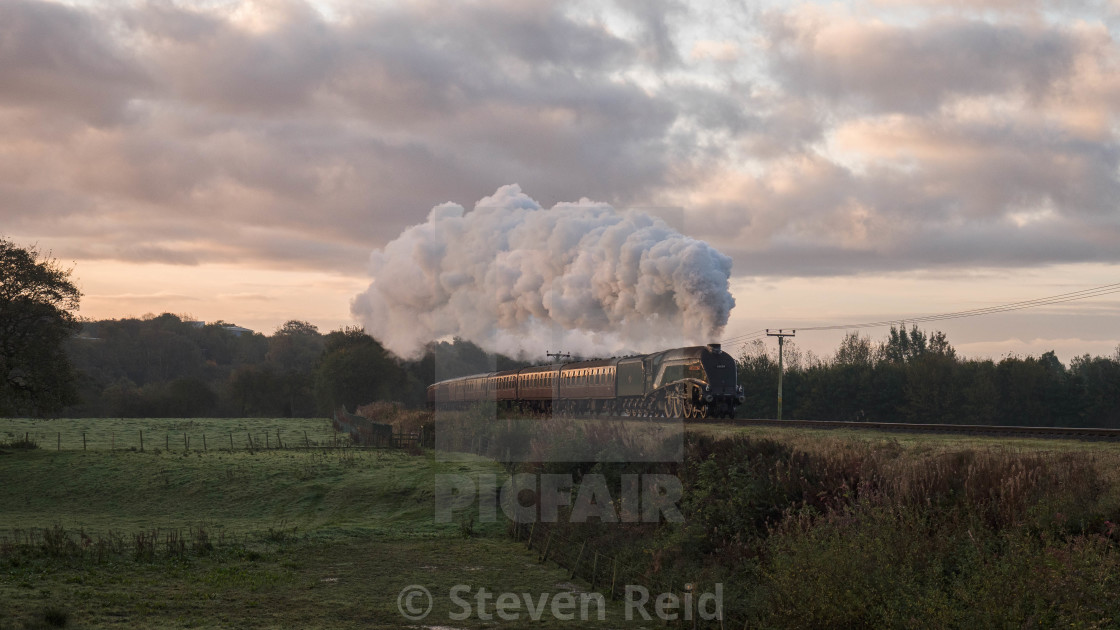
(988, 310)
(761, 332)
(1083, 294)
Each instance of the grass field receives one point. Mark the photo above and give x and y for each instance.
(810, 439)
(929, 527)
(292, 538)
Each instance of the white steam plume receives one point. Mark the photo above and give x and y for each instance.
(519, 279)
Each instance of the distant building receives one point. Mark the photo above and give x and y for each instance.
(237, 330)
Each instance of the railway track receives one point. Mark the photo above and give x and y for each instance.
(1064, 433)
(1060, 433)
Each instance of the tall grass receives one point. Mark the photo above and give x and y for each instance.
(850, 533)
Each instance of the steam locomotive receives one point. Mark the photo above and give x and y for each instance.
(689, 383)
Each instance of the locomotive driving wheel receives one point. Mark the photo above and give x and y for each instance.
(676, 403)
(694, 411)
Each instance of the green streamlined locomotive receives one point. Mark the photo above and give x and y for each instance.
(691, 383)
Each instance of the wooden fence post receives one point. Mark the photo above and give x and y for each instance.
(204, 442)
(575, 566)
(231, 441)
(306, 442)
(167, 441)
(266, 444)
(547, 544)
(141, 440)
(83, 440)
(59, 445)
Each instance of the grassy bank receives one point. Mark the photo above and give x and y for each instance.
(286, 539)
(802, 528)
(825, 531)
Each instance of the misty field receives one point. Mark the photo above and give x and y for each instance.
(270, 538)
(813, 529)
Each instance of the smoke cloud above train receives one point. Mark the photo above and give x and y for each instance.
(521, 279)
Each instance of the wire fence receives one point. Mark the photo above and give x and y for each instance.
(151, 543)
(142, 440)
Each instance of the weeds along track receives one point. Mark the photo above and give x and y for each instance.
(1057, 433)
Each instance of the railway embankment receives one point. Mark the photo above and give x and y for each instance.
(811, 530)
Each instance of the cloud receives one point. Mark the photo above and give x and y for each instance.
(64, 61)
(806, 140)
(216, 120)
(160, 296)
(882, 66)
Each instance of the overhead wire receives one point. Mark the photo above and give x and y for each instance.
(1071, 296)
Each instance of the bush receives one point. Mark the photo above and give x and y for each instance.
(26, 443)
(839, 532)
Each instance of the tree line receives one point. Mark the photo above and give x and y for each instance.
(52, 363)
(169, 366)
(915, 376)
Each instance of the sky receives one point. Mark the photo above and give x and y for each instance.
(857, 161)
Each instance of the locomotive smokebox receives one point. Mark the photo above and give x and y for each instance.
(713, 348)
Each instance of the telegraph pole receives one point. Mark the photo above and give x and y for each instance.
(781, 335)
(558, 355)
